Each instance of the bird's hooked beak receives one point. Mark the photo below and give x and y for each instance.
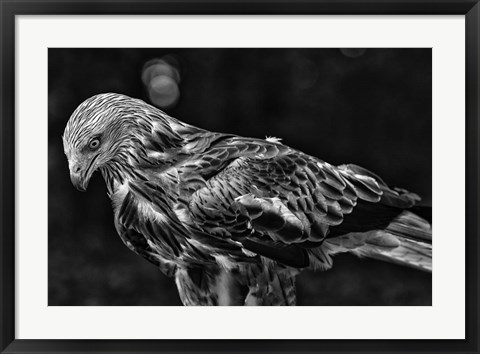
(81, 171)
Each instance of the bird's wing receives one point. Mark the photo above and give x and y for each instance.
(280, 203)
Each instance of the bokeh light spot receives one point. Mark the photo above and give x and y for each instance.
(161, 77)
(163, 91)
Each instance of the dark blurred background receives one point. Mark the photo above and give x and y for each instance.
(371, 107)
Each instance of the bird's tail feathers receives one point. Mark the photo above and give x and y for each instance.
(406, 241)
(408, 253)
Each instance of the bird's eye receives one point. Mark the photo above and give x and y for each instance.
(94, 144)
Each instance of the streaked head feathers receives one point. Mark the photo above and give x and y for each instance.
(110, 131)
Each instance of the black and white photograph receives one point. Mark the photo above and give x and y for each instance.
(240, 176)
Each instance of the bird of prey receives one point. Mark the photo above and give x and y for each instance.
(235, 219)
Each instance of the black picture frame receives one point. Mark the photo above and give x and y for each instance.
(10, 8)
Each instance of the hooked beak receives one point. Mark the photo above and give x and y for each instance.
(79, 182)
(81, 172)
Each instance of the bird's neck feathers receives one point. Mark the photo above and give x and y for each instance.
(153, 142)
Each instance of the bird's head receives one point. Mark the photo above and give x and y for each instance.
(108, 132)
(90, 137)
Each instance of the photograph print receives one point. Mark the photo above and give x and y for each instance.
(240, 176)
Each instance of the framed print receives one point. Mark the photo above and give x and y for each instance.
(301, 176)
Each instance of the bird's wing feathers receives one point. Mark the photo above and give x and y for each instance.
(280, 203)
